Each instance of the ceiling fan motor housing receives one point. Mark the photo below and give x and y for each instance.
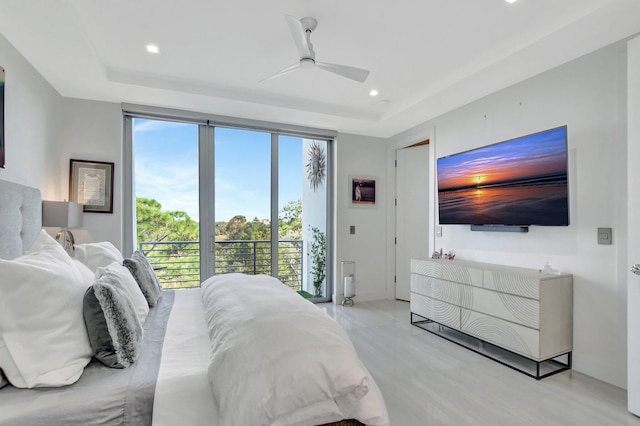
(309, 24)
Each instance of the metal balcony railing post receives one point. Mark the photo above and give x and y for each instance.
(254, 257)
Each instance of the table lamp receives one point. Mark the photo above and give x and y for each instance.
(64, 215)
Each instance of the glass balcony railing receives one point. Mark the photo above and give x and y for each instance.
(177, 263)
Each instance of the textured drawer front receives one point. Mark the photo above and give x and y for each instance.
(436, 310)
(506, 306)
(447, 270)
(426, 267)
(513, 337)
(512, 284)
(437, 289)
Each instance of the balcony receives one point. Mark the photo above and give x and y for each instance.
(177, 263)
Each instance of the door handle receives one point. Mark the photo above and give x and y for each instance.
(635, 268)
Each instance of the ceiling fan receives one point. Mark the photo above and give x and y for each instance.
(301, 30)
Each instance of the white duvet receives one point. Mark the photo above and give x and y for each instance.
(277, 359)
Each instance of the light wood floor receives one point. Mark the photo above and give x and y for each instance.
(427, 380)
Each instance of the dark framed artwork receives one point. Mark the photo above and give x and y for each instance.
(2, 117)
(91, 184)
(363, 192)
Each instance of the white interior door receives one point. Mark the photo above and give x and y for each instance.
(633, 181)
(412, 212)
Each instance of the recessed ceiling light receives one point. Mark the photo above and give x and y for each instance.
(152, 48)
(511, 1)
(374, 92)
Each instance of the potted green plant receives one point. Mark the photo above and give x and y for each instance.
(318, 254)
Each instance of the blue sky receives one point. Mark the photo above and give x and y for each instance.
(166, 169)
(537, 154)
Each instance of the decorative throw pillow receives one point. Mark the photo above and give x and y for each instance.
(114, 330)
(95, 255)
(145, 277)
(43, 339)
(128, 283)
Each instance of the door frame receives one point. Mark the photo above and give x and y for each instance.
(633, 228)
(403, 141)
(400, 204)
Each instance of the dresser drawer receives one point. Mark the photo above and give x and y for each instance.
(512, 308)
(516, 338)
(518, 285)
(436, 289)
(436, 310)
(448, 270)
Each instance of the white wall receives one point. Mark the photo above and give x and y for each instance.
(31, 120)
(44, 130)
(92, 131)
(589, 96)
(361, 156)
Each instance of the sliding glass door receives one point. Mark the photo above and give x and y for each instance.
(214, 200)
(242, 188)
(166, 195)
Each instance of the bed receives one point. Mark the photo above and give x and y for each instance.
(240, 350)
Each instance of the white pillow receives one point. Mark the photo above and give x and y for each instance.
(87, 274)
(96, 255)
(88, 277)
(129, 284)
(43, 339)
(41, 242)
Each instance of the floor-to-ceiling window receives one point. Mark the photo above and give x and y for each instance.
(219, 199)
(242, 188)
(166, 192)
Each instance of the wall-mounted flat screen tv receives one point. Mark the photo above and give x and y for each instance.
(520, 182)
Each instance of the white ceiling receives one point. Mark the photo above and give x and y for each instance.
(426, 57)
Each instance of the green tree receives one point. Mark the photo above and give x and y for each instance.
(156, 225)
(290, 221)
(178, 262)
(290, 245)
(235, 228)
(257, 230)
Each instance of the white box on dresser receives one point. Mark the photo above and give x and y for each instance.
(522, 310)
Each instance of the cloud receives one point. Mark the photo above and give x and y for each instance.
(174, 184)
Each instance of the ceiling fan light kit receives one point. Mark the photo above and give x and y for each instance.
(301, 30)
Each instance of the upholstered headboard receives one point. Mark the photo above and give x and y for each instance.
(20, 218)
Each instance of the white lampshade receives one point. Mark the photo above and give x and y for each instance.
(62, 214)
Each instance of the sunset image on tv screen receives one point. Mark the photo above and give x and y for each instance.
(518, 182)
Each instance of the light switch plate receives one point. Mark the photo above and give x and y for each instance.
(352, 229)
(604, 236)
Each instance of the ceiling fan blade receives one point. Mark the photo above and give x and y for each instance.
(287, 70)
(353, 73)
(299, 36)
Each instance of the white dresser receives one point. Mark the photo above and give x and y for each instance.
(524, 311)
